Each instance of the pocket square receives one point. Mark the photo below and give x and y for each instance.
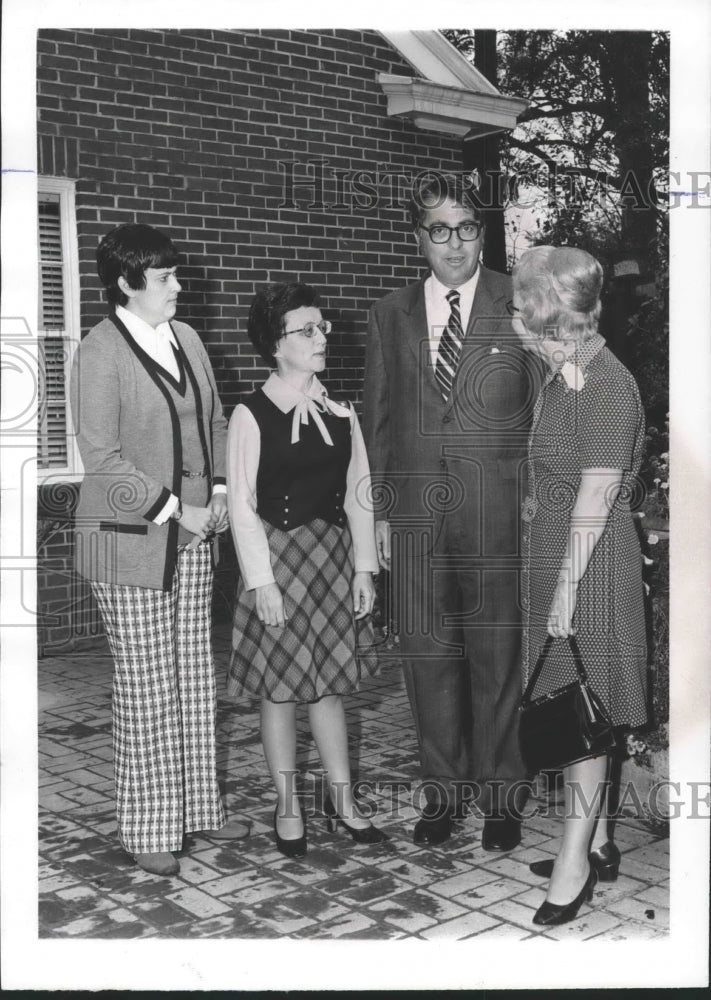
(495, 350)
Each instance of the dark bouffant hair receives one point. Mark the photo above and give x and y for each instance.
(128, 251)
(265, 325)
(432, 189)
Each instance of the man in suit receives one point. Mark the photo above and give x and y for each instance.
(448, 398)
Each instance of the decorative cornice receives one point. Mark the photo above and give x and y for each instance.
(451, 109)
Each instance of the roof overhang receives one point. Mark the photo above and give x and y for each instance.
(452, 110)
(448, 94)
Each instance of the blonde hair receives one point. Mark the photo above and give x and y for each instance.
(559, 291)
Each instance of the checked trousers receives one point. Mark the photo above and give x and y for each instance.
(163, 706)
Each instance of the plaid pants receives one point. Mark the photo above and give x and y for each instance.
(163, 706)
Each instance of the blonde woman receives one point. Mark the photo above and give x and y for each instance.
(583, 572)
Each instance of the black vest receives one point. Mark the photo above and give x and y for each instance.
(299, 482)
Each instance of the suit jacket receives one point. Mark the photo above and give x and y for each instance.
(464, 455)
(128, 433)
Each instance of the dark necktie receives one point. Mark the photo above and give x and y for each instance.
(450, 347)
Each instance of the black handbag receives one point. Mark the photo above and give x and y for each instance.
(565, 726)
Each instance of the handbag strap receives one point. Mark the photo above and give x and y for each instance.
(577, 659)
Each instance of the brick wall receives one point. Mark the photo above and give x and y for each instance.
(265, 155)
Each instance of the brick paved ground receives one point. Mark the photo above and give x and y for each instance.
(89, 888)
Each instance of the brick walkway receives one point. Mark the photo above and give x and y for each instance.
(89, 888)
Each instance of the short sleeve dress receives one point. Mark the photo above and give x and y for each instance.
(598, 424)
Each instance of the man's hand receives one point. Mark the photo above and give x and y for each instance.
(363, 591)
(270, 605)
(382, 543)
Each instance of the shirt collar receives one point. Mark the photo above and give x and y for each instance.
(580, 359)
(286, 397)
(466, 290)
(311, 404)
(142, 331)
(586, 351)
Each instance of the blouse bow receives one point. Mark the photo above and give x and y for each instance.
(307, 407)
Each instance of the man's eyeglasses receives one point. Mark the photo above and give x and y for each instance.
(311, 329)
(440, 233)
(511, 309)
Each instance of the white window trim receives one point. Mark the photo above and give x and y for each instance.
(64, 187)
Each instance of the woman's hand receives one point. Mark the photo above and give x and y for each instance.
(363, 594)
(220, 516)
(270, 605)
(560, 616)
(198, 521)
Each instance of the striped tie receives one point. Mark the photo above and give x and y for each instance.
(450, 347)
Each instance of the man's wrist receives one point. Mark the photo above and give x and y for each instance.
(178, 512)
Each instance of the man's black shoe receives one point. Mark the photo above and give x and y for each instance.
(434, 826)
(501, 833)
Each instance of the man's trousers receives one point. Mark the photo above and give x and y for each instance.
(163, 706)
(459, 621)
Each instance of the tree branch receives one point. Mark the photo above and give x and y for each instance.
(600, 108)
(590, 172)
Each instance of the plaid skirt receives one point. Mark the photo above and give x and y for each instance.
(321, 650)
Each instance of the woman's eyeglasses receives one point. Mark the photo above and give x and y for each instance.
(311, 329)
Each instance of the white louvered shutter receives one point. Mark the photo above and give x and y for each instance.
(52, 451)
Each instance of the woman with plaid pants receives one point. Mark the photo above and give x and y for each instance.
(298, 493)
(151, 434)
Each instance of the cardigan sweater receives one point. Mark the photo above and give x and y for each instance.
(129, 439)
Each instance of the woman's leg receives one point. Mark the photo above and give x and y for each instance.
(602, 831)
(278, 724)
(584, 787)
(148, 763)
(328, 725)
(197, 690)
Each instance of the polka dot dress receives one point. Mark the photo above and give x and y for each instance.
(600, 426)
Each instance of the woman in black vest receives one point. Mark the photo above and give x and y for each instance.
(298, 493)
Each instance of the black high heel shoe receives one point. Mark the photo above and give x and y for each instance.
(605, 860)
(294, 847)
(552, 914)
(368, 835)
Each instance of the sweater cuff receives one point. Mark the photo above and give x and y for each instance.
(157, 508)
(167, 512)
(258, 581)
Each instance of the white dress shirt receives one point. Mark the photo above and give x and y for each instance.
(158, 343)
(243, 450)
(439, 310)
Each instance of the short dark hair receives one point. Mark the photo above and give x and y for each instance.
(127, 252)
(434, 188)
(265, 325)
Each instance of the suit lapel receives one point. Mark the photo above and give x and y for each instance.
(416, 331)
(482, 333)
(485, 305)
